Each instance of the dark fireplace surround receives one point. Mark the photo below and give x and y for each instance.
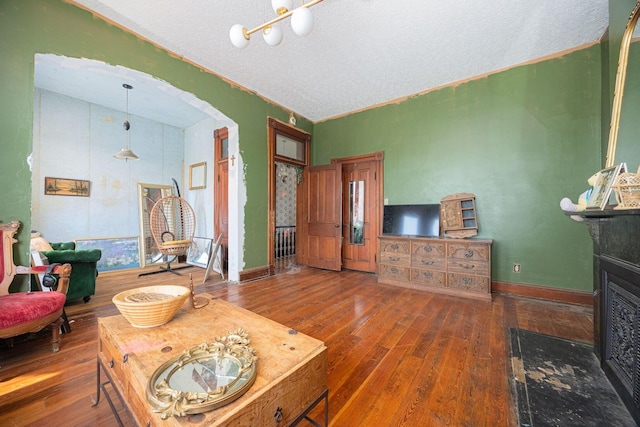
(616, 282)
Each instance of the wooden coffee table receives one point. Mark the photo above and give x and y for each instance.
(291, 369)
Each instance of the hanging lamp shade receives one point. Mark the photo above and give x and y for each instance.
(126, 153)
(302, 21)
(238, 36)
(272, 35)
(281, 6)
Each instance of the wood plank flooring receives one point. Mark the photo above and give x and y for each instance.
(397, 357)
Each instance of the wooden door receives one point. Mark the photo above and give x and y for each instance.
(221, 191)
(323, 216)
(360, 218)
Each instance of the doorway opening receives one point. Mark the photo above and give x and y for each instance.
(288, 155)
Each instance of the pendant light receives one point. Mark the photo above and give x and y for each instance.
(301, 23)
(126, 153)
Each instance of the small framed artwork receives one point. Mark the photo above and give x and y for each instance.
(602, 187)
(66, 187)
(198, 176)
(199, 252)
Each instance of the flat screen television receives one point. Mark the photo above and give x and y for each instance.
(412, 220)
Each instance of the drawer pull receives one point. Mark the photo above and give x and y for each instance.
(467, 266)
(425, 262)
(111, 363)
(394, 258)
(278, 415)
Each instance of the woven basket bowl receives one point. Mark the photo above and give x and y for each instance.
(627, 190)
(151, 306)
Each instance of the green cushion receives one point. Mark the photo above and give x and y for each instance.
(71, 256)
(82, 283)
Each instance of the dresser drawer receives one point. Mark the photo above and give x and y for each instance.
(468, 267)
(392, 246)
(469, 282)
(429, 263)
(288, 397)
(469, 251)
(428, 249)
(112, 359)
(429, 277)
(394, 272)
(395, 259)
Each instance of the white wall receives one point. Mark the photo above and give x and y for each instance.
(199, 146)
(75, 139)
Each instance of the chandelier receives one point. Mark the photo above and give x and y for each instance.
(301, 23)
(126, 153)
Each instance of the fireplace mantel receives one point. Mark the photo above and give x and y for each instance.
(616, 290)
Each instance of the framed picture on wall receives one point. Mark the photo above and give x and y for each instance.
(602, 187)
(66, 187)
(198, 176)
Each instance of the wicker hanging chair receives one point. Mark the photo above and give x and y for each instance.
(173, 223)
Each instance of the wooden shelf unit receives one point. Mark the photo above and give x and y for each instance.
(449, 266)
(458, 215)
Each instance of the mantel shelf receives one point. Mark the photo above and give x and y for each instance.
(607, 213)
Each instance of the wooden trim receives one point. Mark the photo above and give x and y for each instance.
(274, 127)
(369, 157)
(254, 273)
(378, 158)
(567, 296)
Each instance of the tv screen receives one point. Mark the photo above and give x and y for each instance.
(412, 220)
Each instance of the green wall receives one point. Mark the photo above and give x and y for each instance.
(520, 140)
(52, 26)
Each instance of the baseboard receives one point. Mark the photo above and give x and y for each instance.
(567, 296)
(255, 273)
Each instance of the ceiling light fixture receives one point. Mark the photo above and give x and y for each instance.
(301, 22)
(126, 154)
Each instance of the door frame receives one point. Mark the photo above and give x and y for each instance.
(221, 193)
(275, 128)
(376, 224)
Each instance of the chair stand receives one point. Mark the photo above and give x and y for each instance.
(167, 269)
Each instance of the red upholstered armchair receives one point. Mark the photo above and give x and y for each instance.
(25, 312)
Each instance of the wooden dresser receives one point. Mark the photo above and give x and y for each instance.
(291, 369)
(450, 266)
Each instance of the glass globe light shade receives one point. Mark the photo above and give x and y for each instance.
(302, 21)
(272, 35)
(281, 6)
(236, 34)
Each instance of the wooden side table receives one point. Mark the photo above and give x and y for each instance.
(291, 371)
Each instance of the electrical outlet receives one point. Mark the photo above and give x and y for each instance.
(516, 268)
(386, 202)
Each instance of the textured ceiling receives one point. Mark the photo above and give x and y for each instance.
(361, 53)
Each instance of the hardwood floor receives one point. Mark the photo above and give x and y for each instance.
(397, 357)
